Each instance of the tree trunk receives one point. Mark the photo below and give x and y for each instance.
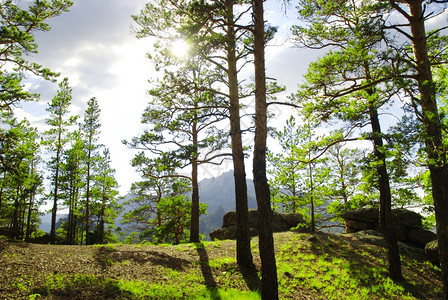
(1, 191)
(433, 134)
(55, 195)
(15, 220)
(102, 221)
(269, 285)
(88, 195)
(243, 251)
(385, 216)
(194, 225)
(30, 212)
(313, 220)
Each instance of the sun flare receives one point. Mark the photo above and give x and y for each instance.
(179, 48)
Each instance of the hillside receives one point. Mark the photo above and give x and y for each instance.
(218, 204)
(321, 266)
(222, 202)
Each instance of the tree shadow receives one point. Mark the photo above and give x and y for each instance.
(3, 244)
(207, 273)
(105, 257)
(359, 255)
(251, 277)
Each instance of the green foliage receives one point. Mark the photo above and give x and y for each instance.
(104, 200)
(20, 180)
(18, 24)
(162, 212)
(298, 173)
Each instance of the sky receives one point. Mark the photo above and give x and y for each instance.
(95, 47)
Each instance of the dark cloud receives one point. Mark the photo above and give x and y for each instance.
(89, 21)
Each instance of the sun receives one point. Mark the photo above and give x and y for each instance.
(179, 48)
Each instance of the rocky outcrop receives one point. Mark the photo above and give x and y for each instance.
(408, 225)
(280, 222)
(432, 252)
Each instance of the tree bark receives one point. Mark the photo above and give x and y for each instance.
(88, 195)
(385, 212)
(194, 225)
(269, 283)
(243, 251)
(55, 195)
(437, 156)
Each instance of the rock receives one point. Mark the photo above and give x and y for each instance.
(408, 224)
(432, 252)
(421, 237)
(229, 233)
(407, 218)
(280, 222)
(225, 233)
(229, 219)
(366, 215)
(376, 238)
(355, 226)
(293, 219)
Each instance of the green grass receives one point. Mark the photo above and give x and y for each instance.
(308, 267)
(334, 275)
(122, 289)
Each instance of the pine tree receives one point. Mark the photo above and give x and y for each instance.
(105, 195)
(72, 182)
(91, 131)
(269, 282)
(350, 84)
(182, 132)
(212, 32)
(56, 138)
(20, 178)
(422, 91)
(18, 25)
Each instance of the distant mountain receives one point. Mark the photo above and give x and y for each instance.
(219, 194)
(45, 219)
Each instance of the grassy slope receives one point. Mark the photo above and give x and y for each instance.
(317, 266)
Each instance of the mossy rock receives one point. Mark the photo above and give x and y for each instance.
(432, 252)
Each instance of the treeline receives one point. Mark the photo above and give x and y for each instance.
(380, 60)
(66, 155)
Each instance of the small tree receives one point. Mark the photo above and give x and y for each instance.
(105, 196)
(21, 180)
(182, 117)
(56, 139)
(72, 182)
(161, 212)
(345, 181)
(91, 131)
(299, 176)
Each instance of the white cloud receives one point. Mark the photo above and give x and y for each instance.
(93, 45)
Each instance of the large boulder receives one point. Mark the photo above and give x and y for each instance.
(280, 222)
(420, 237)
(408, 224)
(229, 233)
(432, 252)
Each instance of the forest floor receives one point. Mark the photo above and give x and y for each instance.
(319, 266)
